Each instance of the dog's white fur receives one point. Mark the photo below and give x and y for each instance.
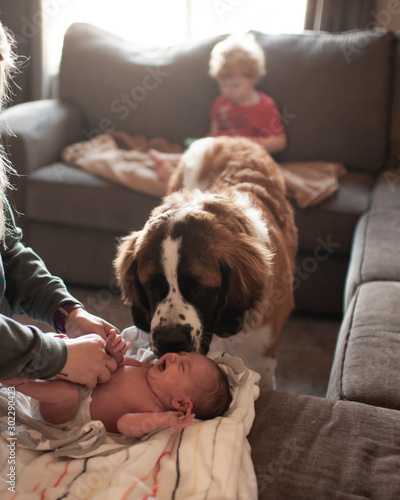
(174, 307)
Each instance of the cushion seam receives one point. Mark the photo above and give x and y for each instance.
(341, 389)
(364, 248)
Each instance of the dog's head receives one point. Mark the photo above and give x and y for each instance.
(193, 271)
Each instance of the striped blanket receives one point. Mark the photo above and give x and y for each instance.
(208, 460)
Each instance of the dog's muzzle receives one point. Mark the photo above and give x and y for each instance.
(175, 338)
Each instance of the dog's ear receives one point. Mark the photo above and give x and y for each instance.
(229, 318)
(133, 293)
(126, 254)
(246, 276)
(230, 314)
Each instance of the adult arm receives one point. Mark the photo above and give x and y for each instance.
(29, 287)
(25, 350)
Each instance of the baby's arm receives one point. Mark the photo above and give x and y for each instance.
(116, 346)
(136, 425)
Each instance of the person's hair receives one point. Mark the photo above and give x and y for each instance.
(7, 69)
(237, 57)
(213, 399)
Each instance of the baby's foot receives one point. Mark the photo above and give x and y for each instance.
(163, 167)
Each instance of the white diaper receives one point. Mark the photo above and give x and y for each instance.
(81, 418)
(83, 415)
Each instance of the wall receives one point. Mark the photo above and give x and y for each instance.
(387, 14)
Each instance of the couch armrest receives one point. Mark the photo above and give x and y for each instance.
(34, 133)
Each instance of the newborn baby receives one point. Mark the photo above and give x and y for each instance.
(139, 397)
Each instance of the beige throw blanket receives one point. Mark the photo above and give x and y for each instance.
(124, 159)
(311, 182)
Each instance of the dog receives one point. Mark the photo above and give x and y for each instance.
(213, 265)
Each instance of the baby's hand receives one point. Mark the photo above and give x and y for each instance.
(179, 419)
(116, 346)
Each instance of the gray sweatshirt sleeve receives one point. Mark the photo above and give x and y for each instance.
(27, 287)
(25, 350)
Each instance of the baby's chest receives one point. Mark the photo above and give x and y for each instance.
(135, 394)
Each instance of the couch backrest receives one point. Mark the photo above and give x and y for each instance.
(141, 90)
(333, 90)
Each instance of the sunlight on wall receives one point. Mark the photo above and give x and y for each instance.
(165, 22)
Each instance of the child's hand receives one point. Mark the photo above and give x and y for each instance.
(179, 419)
(116, 346)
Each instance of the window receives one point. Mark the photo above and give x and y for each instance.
(165, 22)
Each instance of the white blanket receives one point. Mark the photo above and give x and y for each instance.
(208, 460)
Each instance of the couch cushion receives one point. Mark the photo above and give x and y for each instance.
(311, 448)
(332, 90)
(374, 255)
(61, 194)
(366, 363)
(334, 219)
(76, 254)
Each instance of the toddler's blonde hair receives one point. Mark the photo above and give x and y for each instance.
(236, 56)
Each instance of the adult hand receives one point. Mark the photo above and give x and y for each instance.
(81, 322)
(87, 362)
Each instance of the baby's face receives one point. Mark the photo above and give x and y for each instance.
(180, 375)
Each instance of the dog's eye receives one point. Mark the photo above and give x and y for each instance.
(152, 291)
(199, 293)
(156, 288)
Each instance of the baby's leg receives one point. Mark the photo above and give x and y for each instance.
(59, 399)
(164, 163)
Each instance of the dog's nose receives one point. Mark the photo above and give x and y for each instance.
(172, 339)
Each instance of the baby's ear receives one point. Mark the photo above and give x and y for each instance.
(184, 405)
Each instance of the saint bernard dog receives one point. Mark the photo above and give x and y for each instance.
(213, 266)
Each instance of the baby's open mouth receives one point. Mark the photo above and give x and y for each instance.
(161, 366)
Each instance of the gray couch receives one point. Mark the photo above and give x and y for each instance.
(339, 96)
(347, 445)
(334, 93)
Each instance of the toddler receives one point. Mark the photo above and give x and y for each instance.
(139, 397)
(240, 110)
